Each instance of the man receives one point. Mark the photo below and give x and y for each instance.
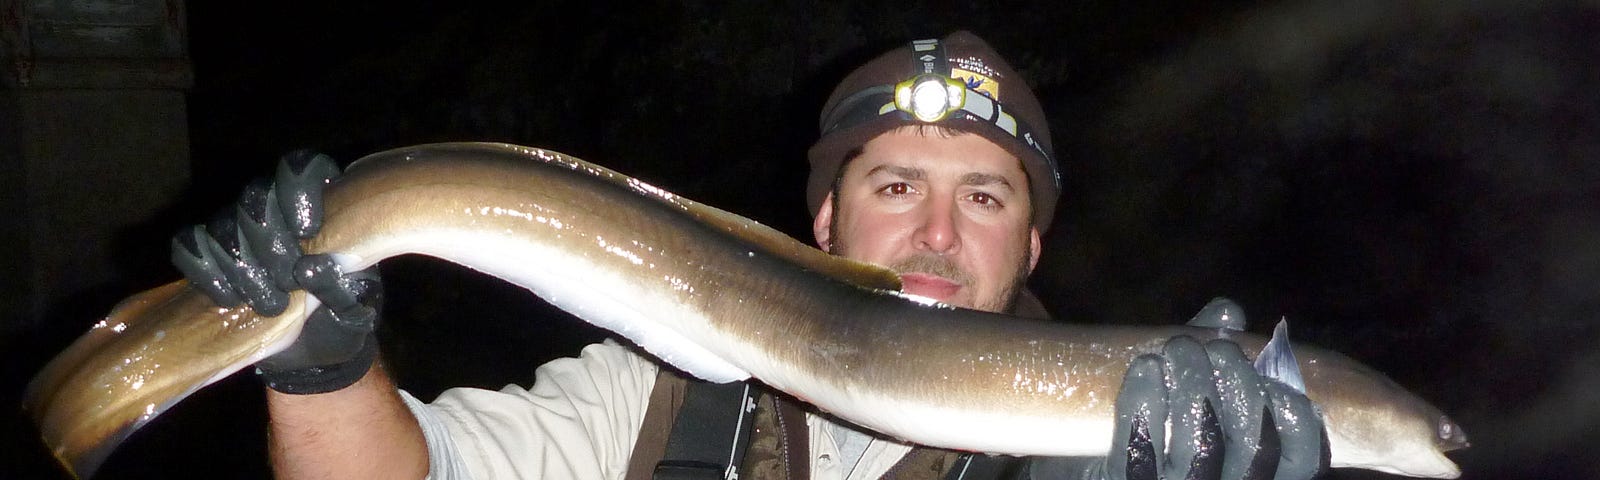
(934, 161)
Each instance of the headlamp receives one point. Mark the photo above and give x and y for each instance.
(930, 97)
(933, 94)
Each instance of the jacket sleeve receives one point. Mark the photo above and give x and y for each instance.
(579, 420)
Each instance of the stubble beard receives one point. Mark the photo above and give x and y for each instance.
(943, 266)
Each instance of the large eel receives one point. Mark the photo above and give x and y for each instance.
(712, 293)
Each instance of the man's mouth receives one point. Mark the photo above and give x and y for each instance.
(928, 285)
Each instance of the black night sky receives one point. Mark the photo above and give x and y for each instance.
(1414, 184)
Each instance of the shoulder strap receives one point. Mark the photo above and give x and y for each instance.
(665, 400)
(710, 434)
(972, 466)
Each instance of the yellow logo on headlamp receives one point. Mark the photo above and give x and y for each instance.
(930, 97)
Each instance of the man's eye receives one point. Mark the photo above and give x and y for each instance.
(896, 189)
(984, 199)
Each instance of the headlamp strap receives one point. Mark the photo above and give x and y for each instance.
(928, 57)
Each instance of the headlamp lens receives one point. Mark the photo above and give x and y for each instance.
(930, 97)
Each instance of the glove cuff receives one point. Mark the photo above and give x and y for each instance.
(322, 379)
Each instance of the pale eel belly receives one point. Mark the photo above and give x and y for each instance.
(711, 293)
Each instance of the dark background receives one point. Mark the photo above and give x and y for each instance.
(1411, 183)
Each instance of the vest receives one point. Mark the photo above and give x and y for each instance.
(778, 447)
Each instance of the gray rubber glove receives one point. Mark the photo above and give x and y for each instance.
(252, 255)
(1226, 421)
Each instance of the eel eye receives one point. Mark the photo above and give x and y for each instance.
(1450, 435)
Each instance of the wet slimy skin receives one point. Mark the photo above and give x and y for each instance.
(714, 294)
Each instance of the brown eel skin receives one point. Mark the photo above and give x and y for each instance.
(713, 294)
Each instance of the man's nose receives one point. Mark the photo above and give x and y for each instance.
(938, 230)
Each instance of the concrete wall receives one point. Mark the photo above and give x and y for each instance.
(93, 141)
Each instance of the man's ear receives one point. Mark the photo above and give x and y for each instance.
(1033, 248)
(822, 224)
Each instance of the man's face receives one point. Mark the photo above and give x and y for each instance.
(950, 213)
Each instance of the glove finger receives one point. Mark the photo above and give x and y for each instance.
(301, 176)
(266, 232)
(247, 277)
(1269, 450)
(1195, 450)
(194, 259)
(367, 288)
(1141, 400)
(1240, 411)
(347, 297)
(1303, 441)
(1208, 460)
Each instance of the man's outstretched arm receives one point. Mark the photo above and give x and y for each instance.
(361, 431)
(334, 412)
